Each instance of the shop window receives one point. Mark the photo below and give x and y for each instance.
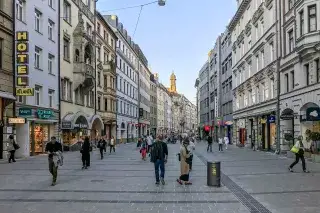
(41, 138)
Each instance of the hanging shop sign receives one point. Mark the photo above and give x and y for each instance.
(66, 125)
(22, 61)
(16, 120)
(44, 113)
(25, 112)
(271, 119)
(313, 114)
(80, 126)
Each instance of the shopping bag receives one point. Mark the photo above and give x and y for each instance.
(294, 149)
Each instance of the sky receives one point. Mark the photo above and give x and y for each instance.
(176, 37)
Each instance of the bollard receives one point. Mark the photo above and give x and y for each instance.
(213, 174)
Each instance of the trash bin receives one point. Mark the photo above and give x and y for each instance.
(213, 174)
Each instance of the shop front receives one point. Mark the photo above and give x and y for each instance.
(39, 126)
(74, 128)
(96, 127)
(267, 132)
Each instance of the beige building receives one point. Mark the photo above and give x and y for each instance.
(77, 68)
(106, 75)
(7, 72)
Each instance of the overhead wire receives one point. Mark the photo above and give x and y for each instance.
(135, 29)
(130, 7)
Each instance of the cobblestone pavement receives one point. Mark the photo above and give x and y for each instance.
(265, 177)
(122, 182)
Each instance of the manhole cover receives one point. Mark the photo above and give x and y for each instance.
(96, 181)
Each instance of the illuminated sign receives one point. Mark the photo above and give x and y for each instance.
(20, 91)
(22, 59)
(16, 120)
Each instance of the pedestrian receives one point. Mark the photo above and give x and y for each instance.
(53, 148)
(220, 144)
(298, 149)
(12, 147)
(184, 163)
(143, 150)
(209, 143)
(190, 148)
(226, 141)
(101, 146)
(85, 151)
(149, 141)
(112, 145)
(159, 156)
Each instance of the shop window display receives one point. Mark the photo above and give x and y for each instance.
(41, 137)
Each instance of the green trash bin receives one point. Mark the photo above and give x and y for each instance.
(214, 174)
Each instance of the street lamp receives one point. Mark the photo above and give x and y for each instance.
(161, 2)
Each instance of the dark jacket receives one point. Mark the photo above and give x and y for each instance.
(159, 151)
(85, 149)
(102, 144)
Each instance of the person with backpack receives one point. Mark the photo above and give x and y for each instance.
(209, 143)
(159, 156)
(101, 146)
(185, 162)
(298, 149)
(143, 150)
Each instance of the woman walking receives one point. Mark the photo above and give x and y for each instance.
(12, 148)
(112, 145)
(298, 149)
(226, 141)
(184, 163)
(85, 151)
(143, 150)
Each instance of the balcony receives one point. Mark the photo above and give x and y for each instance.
(109, 91)
(83, 75)
(109, 67)
(307, 44)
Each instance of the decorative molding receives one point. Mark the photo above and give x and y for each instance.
(258, 13)
(268, 4)
(240, 37)
(248, 28)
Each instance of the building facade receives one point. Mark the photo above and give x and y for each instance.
(78, 72)
(144, 93)
(127, 83)
(106, 80)
(39, 31)
(300, 69)
(203, 85)
(7, 67)
(226, 83)
(253, 30)
(161, 90)
(153, 105)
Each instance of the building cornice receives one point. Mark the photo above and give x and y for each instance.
(236, 17)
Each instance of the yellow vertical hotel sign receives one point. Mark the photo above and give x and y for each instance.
(22, 69)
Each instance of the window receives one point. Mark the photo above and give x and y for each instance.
(20, 10)
(262, 59)
(50, 29)
(1, 51)
(271, 52)
(51, 97)
(37, 57)
(37, 91)
(67, 12)
(89, 29)
(253, 96)
(307, 74)
(89, 4)
(290, 4)
(98, 28)
(66, 90)
(37, 20)
(66, 49)
(290, 39)
(105, 104)
(317, 63)
(286, 78)
(51, 3)
(50, 63)
(257, 32)
(99, 78)
(257, 62)
(99, 103)
(266, 92)
(312, 18)
(99, 53)
(301, 14)
(271, 88)
(112, 43)
(292, 79)
(249, 69)
(258, 94)
(21, 99)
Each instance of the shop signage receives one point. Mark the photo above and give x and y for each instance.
(313, 114)
(16, 120)
(44, 113)
(80, 126)
(271, 119)
(24, 91)
(22, 60)
(66, 125)
(25, 112)
(287, 114)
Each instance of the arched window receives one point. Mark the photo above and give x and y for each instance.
(77, 55)
(87, 54)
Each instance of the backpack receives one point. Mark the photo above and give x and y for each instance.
(157, 151)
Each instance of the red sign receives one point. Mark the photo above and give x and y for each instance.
(207, 128)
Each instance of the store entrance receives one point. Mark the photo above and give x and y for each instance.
(41, 138)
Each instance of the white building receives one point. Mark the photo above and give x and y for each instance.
(161, 91)
(127, 83)
(300, 68)
(253, 29)
(39, 19)
(79, 101)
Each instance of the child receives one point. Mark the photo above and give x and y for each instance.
(143, 150)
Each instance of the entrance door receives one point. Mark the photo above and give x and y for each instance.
(263, 136)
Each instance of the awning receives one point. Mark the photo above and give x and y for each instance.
(7, 95)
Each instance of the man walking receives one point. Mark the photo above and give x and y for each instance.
(53, 148)
(102, 146)
(209, 143)
(159, 156)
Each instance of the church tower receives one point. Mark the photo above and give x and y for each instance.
(173, 86)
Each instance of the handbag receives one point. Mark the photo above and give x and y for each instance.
(16, 146)
(294, 149)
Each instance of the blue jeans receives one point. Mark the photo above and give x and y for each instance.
(157, 164)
